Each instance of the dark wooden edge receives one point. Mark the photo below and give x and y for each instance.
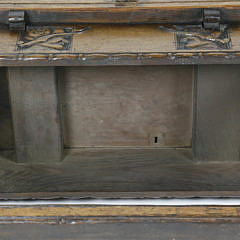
(118, 195)
(77, 214)
(98, 59)
(126, 13)
(95, 220)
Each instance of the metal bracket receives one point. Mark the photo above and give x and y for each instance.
(211, 19)
(16, 20)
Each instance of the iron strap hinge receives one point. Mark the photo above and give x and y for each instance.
(211, 19)
(17, 20)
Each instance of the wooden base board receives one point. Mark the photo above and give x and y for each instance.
(78, 214)
(111, 171)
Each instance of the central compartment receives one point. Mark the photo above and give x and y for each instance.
(139, 131)
(127, 106)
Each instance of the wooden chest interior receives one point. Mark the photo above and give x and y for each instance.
(128, 131)
(119, 98)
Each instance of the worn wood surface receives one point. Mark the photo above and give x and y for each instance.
(116, 170)
(127, 106)
(94, 170)
(217, 113)
(66, 213)
(119, 222)
(116, 45)
(36, 120)
(119, 231)
(120, 171)
(117, 195)
(6, 132)
(104, 11)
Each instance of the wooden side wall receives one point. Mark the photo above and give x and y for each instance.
(218, 113)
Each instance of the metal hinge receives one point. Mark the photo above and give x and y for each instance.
(16, 20)
(211, 19)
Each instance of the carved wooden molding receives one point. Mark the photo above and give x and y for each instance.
(119, 58)
(119, 45)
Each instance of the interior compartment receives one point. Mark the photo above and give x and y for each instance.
(127, 106)
(142, 129)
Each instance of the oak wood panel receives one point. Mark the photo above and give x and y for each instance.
(120, 171)
(80, 211)
(218, 113)
(36, 119)
(119, 11)
(127, 106)
(115, 45)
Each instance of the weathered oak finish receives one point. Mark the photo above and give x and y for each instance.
(104, 11)
(67, 213)
(218, 113)
(136, 170)
(145, 111)
(6, 131)
(36, 120)
(68, 221)
(128, 106)
(116, 45)
(85, 102)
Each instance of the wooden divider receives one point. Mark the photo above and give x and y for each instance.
(36, 120)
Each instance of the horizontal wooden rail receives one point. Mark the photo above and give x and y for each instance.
(79, 214)
(59, 12)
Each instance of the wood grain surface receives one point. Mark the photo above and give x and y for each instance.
(127, 106)
(120, 171)
(104, 11)
(80, 211)
(217, 113)
(70, 215)
(114, 45)
(36, 119)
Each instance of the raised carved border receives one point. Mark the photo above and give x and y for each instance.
(119, 58)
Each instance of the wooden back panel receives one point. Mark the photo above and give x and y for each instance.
(127, 106)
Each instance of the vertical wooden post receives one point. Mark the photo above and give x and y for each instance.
(217, 106)
(36, 117)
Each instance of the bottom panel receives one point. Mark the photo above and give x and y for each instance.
(113, 170)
